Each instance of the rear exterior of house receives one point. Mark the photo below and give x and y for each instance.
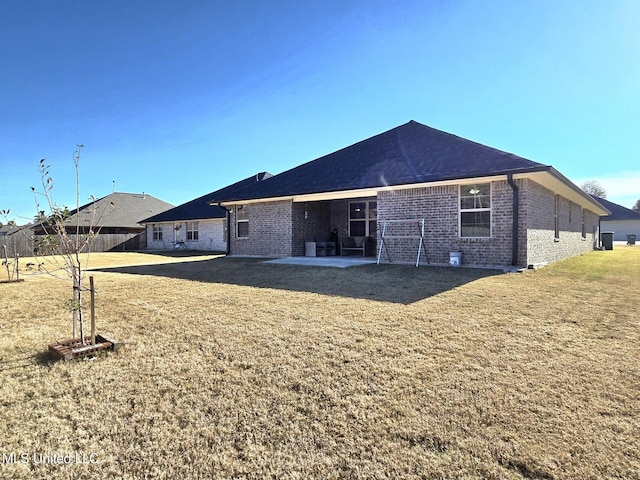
(206, 234)
(280, 228)
(196, 224)
(500, 210)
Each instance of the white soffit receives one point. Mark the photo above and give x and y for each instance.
(544, 178)
(556, 185)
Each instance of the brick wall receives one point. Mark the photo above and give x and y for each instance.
(167, 237)
(311, 220)
(340, 217)
(211, 236)
(280, 228)
(542, 246)
(439, 206)
(270, 230)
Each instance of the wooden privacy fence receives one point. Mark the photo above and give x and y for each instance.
(22, 243)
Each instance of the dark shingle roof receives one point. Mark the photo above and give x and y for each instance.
(410, 153)
(200, 209)
(618, 212)
(9, 229)
(119, 210)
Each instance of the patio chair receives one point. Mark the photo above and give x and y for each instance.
(330, 248)
(321, 249)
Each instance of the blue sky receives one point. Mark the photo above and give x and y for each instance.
(178, 99)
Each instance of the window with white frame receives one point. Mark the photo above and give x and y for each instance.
(475, 210)
(363, 218)
(242, 221)
(584, 223)
(192, 231)
(157, 232)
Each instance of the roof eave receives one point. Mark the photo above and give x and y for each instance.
(373, 190)
(179, 220)
(558, 183)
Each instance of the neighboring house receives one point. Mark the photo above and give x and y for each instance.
(195, 225)
(622, 221)
(494, 207)
(116, 219)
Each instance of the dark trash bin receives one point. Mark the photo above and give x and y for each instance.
(631, 239)
(607, 240)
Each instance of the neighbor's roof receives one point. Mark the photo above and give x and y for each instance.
(408, 154)
(8, 229)
(119, 210)
(618, 212)
(200, 208)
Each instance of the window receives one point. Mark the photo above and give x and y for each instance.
(584, 224)
(475, 210)
(556, 218)
(192, 231)
(570, 211)
(157, 232)
(363, 217)
(242, 221)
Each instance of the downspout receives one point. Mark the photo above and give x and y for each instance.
(514, 231)
(228, 230)
(599, 239)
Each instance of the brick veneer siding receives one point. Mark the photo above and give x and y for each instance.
(211, 236)
(279, 229)
(270, 230)
(340, 217)
(321, 219)
(311, 220)
(542, 247)
(167, 237)
(439, 206)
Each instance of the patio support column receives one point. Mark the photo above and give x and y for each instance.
(515, 215)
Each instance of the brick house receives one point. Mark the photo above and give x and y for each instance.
(416, 183)
(115, 218)
(196, 224)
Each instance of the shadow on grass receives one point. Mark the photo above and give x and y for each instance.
(44, 358)
(180, 252)
(385, 283)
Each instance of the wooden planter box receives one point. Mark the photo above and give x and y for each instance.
(73, 348)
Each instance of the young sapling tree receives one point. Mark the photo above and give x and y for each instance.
(65, 239)
(11, 265)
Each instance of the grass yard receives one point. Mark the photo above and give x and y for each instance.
(234, 368)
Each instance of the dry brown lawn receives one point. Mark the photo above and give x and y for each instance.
(234, 368)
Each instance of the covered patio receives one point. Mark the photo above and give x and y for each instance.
(349, 224)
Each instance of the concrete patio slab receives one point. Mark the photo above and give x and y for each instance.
(336, 262)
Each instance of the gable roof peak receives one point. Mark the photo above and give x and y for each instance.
(406, 154)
